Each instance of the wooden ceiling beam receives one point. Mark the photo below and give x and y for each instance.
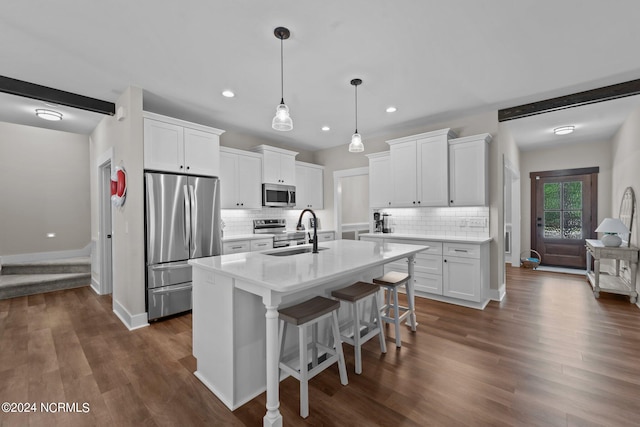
(606, 93)
(55, 96)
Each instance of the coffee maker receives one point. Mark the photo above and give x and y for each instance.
(386, 223)
(377, 222)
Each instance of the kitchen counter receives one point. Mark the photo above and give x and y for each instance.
(238, 237)
(235, 309)
(434, 238)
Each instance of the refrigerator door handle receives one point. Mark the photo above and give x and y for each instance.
(187, 217)
(194, 220)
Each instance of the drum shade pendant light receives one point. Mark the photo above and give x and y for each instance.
(356, 145)
(282, 121)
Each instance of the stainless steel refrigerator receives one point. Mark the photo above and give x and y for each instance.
(182, 221)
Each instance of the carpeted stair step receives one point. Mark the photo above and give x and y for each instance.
(75, 265)
(16, 285)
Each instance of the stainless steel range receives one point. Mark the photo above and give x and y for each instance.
(278, 227)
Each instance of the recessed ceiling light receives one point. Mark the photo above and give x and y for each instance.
(326, 128)
(391, 109)
(228, 94)
(564, 130)
(48, 114)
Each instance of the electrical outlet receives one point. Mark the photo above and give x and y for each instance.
(477, 222)
(461, 222)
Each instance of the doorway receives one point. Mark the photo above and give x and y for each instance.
(351, 202)
(105, 240)
(564, 209)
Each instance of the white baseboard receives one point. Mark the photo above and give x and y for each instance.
(131, 321)
(95, 285)
(46, 256)
(498, 294)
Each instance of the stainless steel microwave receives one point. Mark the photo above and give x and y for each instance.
(277, 195)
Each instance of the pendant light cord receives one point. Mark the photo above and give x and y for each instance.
(281, 72)
(356, 108)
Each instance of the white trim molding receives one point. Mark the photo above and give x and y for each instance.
(46, 256)
(131, 321)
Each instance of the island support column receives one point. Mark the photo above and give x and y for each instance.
(412, 322)
(273, 417)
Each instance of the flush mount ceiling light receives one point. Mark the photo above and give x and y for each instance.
(564, 130)
(356, 145)
(228, 94)
(282, 121)
(48, 114)
(391, 109)
(326, 128)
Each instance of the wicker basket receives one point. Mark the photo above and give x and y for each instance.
(528, 261)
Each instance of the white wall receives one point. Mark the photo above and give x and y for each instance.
(625, 155)
(565, 157)
(44, 188)
(355, 199)
(128, 220)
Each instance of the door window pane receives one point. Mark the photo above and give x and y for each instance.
(572, 195)
(552, 196)
(563, 210)
(552, 225)
(572, 225)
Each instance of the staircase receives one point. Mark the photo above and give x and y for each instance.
(31, 278)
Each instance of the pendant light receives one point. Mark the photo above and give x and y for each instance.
(356, 145)
(282, 121)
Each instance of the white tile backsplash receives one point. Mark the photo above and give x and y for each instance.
(453, 222)
(240, 221)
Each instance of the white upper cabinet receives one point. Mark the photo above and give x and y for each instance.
(309, 186)
(469, 170)
(172, 145)
(432, 178)
(418, 169)
(278, 165)
(379, 182)
(240, 179)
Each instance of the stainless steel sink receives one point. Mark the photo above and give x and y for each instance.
(294, 251)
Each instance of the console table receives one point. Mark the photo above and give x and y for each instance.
(603, 282)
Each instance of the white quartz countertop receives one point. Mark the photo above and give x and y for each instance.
(297, 272)
(435, 238)
(237, 237)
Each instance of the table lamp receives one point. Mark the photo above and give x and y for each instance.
(611, 227)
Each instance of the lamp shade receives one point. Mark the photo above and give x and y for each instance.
(611, 227)
(356, 145)
(282, 121)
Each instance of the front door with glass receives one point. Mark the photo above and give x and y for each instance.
(564, 214)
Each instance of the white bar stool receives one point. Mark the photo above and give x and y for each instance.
(309, 313)
(391, 282)
(353, 294)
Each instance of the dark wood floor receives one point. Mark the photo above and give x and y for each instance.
(548, 355)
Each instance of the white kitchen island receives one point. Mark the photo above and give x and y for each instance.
(235, 309)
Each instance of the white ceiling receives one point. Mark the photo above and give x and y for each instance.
(433, 60)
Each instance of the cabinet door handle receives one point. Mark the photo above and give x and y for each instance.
(261, 244)
(236, 247)
(461, 250)
(444, 260)
(188, 167)
(181, 166)
(450, 201)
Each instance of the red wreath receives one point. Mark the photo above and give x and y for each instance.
(118, 186)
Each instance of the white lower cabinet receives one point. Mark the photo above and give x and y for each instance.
(460, 278)
(236, 247)
(457, 273)
(325, 236)
(250, 245)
